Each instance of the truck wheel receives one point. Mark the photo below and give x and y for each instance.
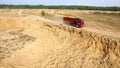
(77, 26)
(76, 20)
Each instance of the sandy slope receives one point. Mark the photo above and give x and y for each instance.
(30, 41)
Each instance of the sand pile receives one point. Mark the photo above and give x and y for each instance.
(36, 42)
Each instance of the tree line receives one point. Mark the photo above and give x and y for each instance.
(59, 7)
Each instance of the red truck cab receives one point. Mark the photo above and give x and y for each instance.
(77, 22)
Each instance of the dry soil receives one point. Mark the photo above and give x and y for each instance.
(30, 40)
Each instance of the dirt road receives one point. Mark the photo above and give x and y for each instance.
(90, 26)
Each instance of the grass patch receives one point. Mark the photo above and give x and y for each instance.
(61, 24)
(43, 13)
(73, 30)
(80, 32)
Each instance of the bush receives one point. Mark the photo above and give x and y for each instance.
(73, 30)
(43, 13)
(80, 32)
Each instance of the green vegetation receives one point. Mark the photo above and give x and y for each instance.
(80, 32)
(43, 13)
(73, 30)
(61, 24)
(60, 7)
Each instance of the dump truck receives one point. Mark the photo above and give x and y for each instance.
(77, 22)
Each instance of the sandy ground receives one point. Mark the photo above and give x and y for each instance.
(29, 40)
